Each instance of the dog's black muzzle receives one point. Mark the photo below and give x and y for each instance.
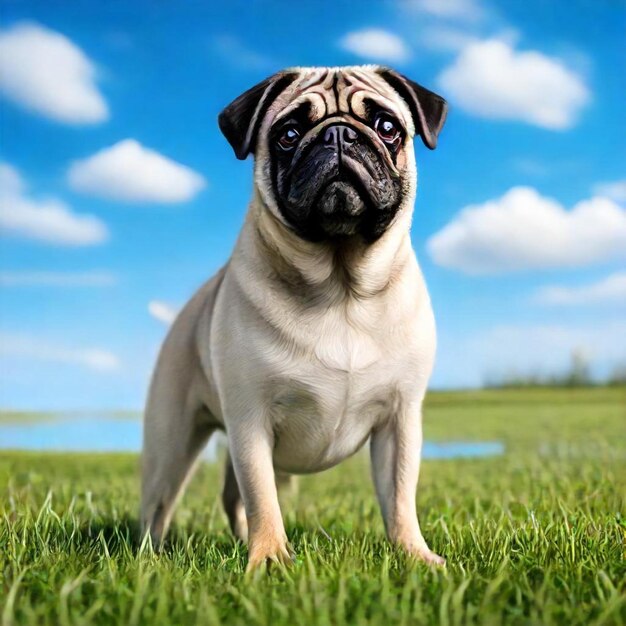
(339, 184)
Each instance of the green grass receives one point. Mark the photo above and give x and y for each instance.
(534, 537)
(36, 417)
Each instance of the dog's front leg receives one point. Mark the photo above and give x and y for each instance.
(251, 442)
(396, 450)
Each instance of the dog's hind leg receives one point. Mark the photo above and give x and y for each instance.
(176, 429)
(177, 424)
(233, 504)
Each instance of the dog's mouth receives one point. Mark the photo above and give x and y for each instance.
(339, 207)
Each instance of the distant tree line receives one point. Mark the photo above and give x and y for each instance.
(577, 375)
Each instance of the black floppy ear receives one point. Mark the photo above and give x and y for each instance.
(427, 108)
(240, 120)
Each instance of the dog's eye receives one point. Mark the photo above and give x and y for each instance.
(288, 138)
(388, 129)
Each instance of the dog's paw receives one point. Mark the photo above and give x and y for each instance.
(429, 557)
(421, 552)
(267, 553)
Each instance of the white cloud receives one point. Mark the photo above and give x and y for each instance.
(45, 72)
(35, 348)
(48, 220)
(616, 190)
(127, 171)
(375, 43)
(465, 10)
(11, 182)
(611, 289)
(492, 80)
(523, 230)
(162, 311)
(56, 279)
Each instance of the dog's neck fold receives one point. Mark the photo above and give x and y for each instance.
(326, 271)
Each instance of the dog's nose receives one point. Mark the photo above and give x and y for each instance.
(339, 135)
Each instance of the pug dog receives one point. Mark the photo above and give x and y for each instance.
(318, 333)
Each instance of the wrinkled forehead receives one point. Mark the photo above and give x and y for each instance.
(326, 91)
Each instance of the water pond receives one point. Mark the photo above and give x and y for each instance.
(122, 433)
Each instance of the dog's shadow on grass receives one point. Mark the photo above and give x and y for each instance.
(122, 537)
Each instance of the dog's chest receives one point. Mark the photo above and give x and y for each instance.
(321, 420)
(347, 345)
(324, 408)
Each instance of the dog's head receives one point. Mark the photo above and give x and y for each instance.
(334, 146)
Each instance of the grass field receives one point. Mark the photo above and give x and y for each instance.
(536, 536)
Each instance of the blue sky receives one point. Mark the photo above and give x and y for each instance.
(119, 196)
